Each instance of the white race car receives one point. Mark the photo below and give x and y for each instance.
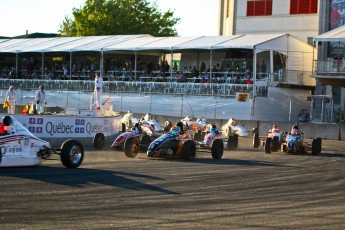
(19, 147)
(232, 128)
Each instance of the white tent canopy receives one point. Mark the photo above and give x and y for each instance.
(299, 53)
(335, 35)
(279, 42)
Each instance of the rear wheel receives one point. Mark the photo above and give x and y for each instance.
(217, 149)
(99, 141)
(72, 153)
(198, 136)
(275, 144)
(235, 137)
(188, 150)
(316, 146)
(256, 140)
(123, 127)
(145, 141)
(0, 155)
(231, 143)
(131, 147)
(268, 145)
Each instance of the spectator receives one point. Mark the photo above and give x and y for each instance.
(40, 99)
(98, 90)
(303, 116)
(10, 97)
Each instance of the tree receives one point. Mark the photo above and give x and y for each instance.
(119, 17)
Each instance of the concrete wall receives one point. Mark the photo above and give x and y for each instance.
(310, 130)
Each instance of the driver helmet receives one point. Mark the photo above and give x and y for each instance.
(294, 129)
(213, 129)
(275, 128)
(175, 130)
(135, 130)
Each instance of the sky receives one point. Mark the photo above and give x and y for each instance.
(198, 17)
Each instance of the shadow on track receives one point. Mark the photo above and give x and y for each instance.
(81, 177)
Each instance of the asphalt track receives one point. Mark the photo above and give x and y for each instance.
(247, 189)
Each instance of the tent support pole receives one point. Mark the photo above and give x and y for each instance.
(254, 84)
(135, 64)
(211, 77)
(17, 65)
(271, 66)
(171, 63)
(101, 64)
(42, 65)
(70, 65)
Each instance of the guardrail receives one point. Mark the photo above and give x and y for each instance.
(173, 88)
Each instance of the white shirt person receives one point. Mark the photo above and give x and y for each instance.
(11, 98)
(98, 90)
(40, 99)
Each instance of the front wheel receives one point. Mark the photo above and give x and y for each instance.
(72, 153)
(268, 145)
(131, 147)
(145, 141)
(99, 141)
(316, 146)
(256, 140)
(217, 149)
(188, 150)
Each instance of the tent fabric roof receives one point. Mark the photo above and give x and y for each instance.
(334, 35)
(282, 42)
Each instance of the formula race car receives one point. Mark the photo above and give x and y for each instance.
(19, 147)
(144, 132)
(198, 127)
(295, 144)
(273, 141)
(177, 144)
(232, 128)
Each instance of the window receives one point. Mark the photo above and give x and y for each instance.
(259, 7)
(303, 6)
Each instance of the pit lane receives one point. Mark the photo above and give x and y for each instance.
(247, 189)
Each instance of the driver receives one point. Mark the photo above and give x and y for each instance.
(232, 121)
(295, 130)
(137, 128)
(214, 129)
(175, 130)
(275, 129)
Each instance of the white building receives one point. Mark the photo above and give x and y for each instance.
(299, 18)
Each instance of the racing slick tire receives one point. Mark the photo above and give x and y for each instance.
(284, 147)
(227, 132)
(72, 153)
(145, 141)
(231, 143)
(198, 136)
(275, 144)
(131, 147)
(0, 155)
(316, 146)
(268, 145)
(217, 149)
(235, 137)
(188, 150)
(256, 140)
(99, 141)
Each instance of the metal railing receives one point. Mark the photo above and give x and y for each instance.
(173, 88)
(329, 67)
